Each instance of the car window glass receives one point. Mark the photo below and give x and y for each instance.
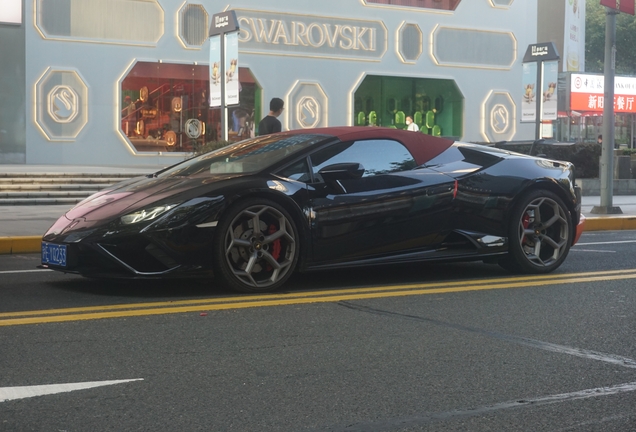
(245, 156)
(297, 171)
(377, 156)
(466, 157)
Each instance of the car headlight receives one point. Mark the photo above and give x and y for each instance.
(146, 214)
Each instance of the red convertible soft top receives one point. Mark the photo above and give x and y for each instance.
(423, 147)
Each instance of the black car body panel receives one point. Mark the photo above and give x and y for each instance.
(450, 201)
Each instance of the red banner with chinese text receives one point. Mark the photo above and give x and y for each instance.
(595, 102)
(587, 93)
(625, 6)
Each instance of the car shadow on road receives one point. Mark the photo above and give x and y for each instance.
(325, 280)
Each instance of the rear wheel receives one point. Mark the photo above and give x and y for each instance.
(539, 234)
(256, 248)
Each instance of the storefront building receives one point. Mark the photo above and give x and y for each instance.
(126, 82)
(581, 108)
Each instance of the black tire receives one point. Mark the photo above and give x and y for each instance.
(539, 234)
(256, 247)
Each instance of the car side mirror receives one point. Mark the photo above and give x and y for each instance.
(342, 171)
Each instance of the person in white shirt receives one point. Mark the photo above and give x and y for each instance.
(410, 125)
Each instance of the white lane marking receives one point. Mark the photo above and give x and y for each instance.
(13, 393)
(533, 343)
(556, 398)
(602, 243)
(24, 271)
(426, 418)
(592, 250)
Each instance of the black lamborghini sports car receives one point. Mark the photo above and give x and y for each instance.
(252, 213)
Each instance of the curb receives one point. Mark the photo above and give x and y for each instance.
(25, 244)
(604, 223)
(33, 244)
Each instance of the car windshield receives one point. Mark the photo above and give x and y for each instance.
(247, 156)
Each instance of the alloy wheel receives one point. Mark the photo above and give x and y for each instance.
(260, 246)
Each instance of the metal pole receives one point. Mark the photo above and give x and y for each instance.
(223, 106)
(631, 135)
(607, 151)
(539, 98)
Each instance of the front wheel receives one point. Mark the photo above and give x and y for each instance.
(539, 234)
(256, 247)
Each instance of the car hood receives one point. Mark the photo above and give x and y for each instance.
(137, 193)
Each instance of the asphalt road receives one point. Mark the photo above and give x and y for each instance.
(454, 347)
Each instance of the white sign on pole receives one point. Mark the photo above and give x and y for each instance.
(574, 36)
(528, 101)
(215, 71)
(231, 69)
(549, 91)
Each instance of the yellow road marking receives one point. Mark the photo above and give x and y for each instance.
(172, 307)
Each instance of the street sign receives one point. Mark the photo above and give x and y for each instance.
(224, 64)
(226, 22)
(539, 99)
(541, 52)
(625, 6)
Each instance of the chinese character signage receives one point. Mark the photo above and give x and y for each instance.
(587, 93)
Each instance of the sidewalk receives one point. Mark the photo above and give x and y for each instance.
(22, 227)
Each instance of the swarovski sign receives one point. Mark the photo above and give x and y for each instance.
(311, 36)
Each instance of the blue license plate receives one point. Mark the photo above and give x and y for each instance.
(54, 254)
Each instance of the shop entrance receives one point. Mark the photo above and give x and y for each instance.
(435, 105)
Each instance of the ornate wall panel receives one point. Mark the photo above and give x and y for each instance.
(473, 48)
(193, 25)
(135, 22)
(62, 104)
(409, 42)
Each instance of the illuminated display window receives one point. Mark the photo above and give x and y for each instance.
(165, 107)
(435, 105)
(426, 4)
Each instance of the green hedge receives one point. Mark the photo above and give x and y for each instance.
(584, 156)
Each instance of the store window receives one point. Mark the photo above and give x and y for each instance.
(165, 107)
(435, 105)
(586, 127)
(427, 4)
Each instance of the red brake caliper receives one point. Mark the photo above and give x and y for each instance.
(525, 221)
(275, 251)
